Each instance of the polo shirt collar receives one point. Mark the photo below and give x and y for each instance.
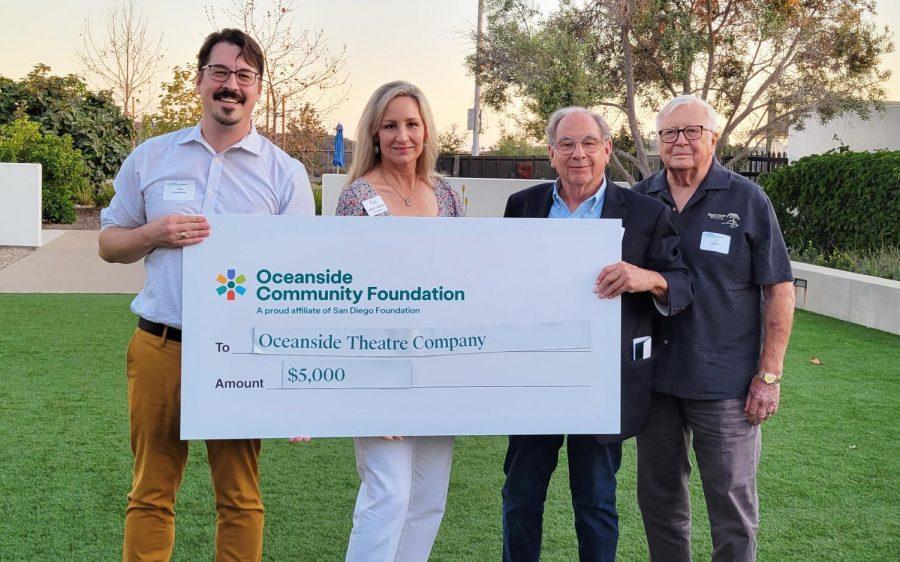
(718, 177)
(595, 199)
(252, 141)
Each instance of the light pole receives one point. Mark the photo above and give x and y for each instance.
(475, 116)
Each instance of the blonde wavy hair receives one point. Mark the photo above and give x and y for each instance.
(364, 156)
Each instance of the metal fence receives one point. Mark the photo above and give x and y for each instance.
(507, 167)
(758, 163)
(538, 167)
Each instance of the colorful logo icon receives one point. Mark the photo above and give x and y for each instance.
(230, 285)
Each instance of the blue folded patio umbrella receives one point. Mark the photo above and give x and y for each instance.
(338, 160)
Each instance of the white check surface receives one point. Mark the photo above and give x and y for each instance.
(515, 342)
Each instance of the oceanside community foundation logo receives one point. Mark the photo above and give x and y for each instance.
(229, 284)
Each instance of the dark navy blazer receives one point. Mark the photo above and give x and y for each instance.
(650, 242)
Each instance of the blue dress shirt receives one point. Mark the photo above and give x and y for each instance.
(590, 208)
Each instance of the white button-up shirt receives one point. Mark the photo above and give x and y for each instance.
(179, 173)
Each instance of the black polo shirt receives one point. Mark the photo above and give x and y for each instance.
(731, 243)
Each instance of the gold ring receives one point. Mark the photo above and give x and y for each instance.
(184, 235)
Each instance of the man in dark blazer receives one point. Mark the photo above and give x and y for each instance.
(651, 280)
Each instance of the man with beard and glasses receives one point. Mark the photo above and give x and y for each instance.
(162, 193)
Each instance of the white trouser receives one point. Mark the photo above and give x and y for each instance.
(401, 498)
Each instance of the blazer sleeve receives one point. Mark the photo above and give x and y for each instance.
(510, 210)
(665, 258)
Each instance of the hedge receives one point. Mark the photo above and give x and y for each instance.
(62, 166)
(847, 201)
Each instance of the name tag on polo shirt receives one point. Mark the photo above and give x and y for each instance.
(375, 206)
(179, 190)
(715, 242)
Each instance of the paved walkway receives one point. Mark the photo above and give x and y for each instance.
(70, 264)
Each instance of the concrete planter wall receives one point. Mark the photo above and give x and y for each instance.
(20, 211)
(861, 299)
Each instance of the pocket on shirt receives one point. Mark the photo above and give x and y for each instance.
(157, 205)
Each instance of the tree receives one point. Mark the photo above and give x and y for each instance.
(450, 140)
(128, 58)
(63, 105)
(300, 67)
(763, 64)
(179, 104)
(306, 139)
(515, 144)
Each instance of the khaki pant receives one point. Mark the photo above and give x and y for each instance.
(154, 404)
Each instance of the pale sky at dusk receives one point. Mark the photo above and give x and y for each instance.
(422, 41)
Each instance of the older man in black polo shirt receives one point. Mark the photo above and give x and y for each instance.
(717, 373)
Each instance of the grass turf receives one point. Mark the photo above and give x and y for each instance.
(827, 482)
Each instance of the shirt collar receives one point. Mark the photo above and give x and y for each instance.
(717, 177)
(595, 199)
(252, 141)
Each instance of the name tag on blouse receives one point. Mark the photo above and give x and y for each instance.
(375, 206)
(179, 190)
(715, 242)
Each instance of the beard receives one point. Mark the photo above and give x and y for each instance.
(228, 115)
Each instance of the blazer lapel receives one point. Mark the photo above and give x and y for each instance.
(614, 203)
(539, 206)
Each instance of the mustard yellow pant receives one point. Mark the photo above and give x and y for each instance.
(154, 403)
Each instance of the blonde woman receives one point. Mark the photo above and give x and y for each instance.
(404, 481)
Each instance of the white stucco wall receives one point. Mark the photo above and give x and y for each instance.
(20, 204)
(482, 197)
(878, 132)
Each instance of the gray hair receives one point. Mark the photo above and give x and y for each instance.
(687, 99)
(558, 115)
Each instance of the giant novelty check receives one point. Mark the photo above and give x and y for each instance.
(357, 326)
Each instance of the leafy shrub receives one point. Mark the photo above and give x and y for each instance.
(846, 202)
(63, 170)
(84, 195)
(883, 263)
(63, 105)
(104, 194)
(317, 197)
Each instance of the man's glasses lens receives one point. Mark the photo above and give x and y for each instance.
(221, 74)
(690, 133)
(567, 146)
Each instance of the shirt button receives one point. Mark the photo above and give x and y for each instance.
(665, 342)
(674, 209)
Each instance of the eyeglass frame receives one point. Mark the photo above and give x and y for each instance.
(208, 67)
(682, 131)
(581, 142)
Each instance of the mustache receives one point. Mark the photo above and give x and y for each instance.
(228, 93)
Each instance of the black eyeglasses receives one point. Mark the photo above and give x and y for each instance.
(692, 132)
(221, 73)
(566, 145)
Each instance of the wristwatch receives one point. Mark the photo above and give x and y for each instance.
(769, 377)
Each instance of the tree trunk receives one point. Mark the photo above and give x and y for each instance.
(630, 110)
(621, 168)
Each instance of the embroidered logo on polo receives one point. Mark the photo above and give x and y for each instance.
(733, 220)
(231, 285)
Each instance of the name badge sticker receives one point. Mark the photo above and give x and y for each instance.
(179, 190)
(715, 242)
(375, 206)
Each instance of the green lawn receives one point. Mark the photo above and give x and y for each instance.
(828, 479)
